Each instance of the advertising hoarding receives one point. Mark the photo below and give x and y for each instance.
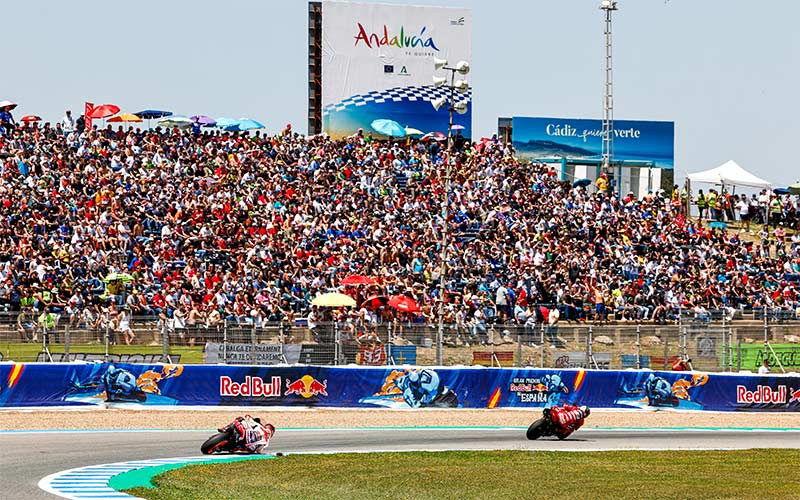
(377, 63)
(536, 137)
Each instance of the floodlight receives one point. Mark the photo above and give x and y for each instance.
(462, 86)
(438, 103)
(460, 107)
(462, 67)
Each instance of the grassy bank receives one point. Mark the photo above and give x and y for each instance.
(763, 474)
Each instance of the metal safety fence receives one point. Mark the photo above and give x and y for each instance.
(721, 346)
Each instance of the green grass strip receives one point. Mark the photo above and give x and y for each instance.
(142, 478)
(524, 475)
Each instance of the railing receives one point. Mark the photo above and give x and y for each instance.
(710, 345)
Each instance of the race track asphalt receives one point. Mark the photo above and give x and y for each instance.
(27, 457)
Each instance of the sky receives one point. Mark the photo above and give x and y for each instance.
(725, 71)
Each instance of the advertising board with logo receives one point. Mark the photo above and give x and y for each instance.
(577, 138)
(117, 384)
(377, 63)
(753, 356)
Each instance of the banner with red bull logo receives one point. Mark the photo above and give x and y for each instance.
(73, 384)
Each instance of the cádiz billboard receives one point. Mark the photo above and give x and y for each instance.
(583, 139)
(377, 63)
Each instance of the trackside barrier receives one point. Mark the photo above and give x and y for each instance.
(59, 384)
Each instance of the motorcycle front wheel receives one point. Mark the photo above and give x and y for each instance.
(536, 429)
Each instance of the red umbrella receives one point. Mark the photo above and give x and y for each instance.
(375, 302)
(358, 280)
(30, 118)
(403, 303)
(103, 111)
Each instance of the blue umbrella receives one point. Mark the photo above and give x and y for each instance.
(248, 124)
(151, 114)
(389, 128)
(582, 183)
(717, 225)
(227, 123)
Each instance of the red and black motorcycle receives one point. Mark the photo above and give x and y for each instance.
(558, 421)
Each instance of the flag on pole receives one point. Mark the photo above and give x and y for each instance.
(86, 110)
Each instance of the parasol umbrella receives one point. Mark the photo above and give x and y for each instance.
(388, 127)
(203, 120)
(358, 280)
(717, 225)
(30, 118)
(248, 124)
(103, 111)
(403, 303)
(227, 123)
(794, 188)
(123, 277)
(175, 121)
(413, 131)
(7, 104)
(581, 183)
(152, 114)
(125, 117)
(457, 127)
(333, 300)
(436, 136)
(375, 302)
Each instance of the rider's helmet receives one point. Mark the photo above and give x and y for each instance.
(257, 419)
(270, 429)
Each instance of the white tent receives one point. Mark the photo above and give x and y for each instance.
(729, 174)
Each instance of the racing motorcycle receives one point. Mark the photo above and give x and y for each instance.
(549, 425)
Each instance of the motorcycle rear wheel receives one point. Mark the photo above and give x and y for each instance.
(215, 443)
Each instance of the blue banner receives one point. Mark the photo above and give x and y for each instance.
(583, 139)
(57, 384)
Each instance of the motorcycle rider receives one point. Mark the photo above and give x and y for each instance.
(569, 418)
(251, 435)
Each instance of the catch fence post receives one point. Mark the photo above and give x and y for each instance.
(253, 341)
(225, 341)
(638, 347)
(165, 343)
(67, 335)
(106, 341)
(519, 349)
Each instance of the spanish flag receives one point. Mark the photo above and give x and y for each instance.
(494, 399)
(579, 380)
(14, 375)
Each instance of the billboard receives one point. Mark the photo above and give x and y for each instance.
(583, 139)
(377, 63)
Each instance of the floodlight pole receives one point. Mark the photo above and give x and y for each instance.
(445, 206)
(609, 6)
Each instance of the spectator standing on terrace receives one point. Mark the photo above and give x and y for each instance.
(68, 123)
(7, 120)
(764, 368)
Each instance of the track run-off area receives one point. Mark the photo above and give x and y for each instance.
(38, 464)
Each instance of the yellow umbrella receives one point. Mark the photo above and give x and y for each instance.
(333, 300)
(125, 117)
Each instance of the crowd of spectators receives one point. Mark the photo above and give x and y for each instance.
(248, 228)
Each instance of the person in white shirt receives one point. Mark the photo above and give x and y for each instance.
(764, 368)
(68, 123)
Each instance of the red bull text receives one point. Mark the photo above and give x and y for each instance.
(252, 386)
(763, 394)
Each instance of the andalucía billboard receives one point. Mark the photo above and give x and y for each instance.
(377, 63)
(583, 139)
